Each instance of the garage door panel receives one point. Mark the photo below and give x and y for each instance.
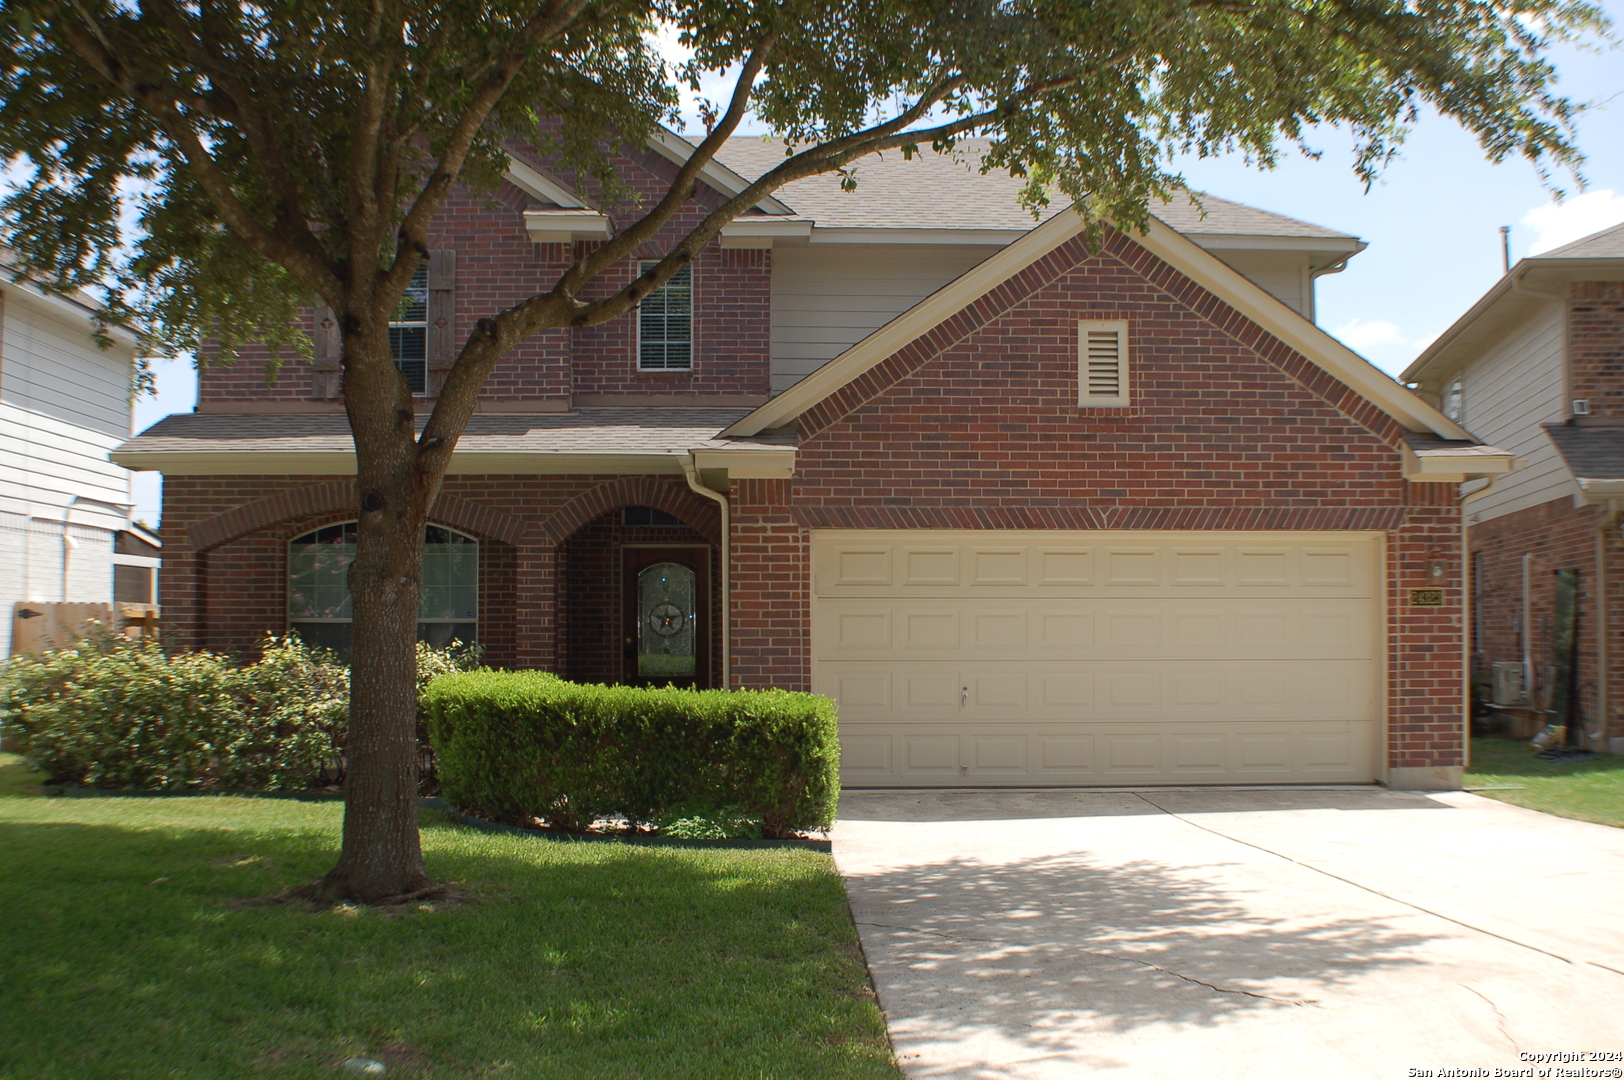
(1099, 658)
(1107, 564)
(1107, 754)
(1198, 692)
(1223, 628)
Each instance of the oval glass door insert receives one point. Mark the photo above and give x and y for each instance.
(666, 638)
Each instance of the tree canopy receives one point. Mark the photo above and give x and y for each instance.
(214, 167)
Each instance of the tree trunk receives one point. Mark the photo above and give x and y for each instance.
(382, 855)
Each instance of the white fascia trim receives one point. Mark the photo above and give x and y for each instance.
(849, 234)
(677, 150)
(68, 308)
(153, 562)
(764, 232)
(565, 226)
(537, 186)
(1165, 243)
(1601, 488)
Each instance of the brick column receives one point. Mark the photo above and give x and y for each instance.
(1425, 673)
(771, 583)
(535, 602)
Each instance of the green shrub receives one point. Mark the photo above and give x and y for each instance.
(522, 745)
(114, 713)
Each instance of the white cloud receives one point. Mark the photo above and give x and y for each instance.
(1383, 343)
(1555, 224)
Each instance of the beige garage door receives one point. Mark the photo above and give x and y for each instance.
(1029, 658)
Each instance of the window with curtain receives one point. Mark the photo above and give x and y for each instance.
(319, 609)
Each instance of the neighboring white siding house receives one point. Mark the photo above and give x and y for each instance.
(64, 404)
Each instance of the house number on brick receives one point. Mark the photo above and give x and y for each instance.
(1426, 598)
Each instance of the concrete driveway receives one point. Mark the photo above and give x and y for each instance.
(1316, 933)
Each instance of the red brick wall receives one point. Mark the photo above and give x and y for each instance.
(1596, 344)
(498, 265)
(976, 425)
(1559, 536)
(771, 587)
(230, 595)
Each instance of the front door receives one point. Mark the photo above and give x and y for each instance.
(667, 616)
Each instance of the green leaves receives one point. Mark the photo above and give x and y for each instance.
(212, 169)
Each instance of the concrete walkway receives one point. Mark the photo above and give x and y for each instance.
(1315, 933)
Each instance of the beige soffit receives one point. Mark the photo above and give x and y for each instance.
(1165, 243)
(762, 231)
(566, 226)
(768, 463)
(674, 148)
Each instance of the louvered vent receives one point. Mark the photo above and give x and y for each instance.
(1102, 364)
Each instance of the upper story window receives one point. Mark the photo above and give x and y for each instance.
(1102, 364)
(665, 323)
(409, 330)
(319, 609)
(1453, 401)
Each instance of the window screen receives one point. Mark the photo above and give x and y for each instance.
(665, 324)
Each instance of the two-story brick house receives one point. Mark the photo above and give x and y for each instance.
(1537, 366)
(1033, 511)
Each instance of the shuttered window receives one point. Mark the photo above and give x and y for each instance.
(1102, 364)
(665, 324)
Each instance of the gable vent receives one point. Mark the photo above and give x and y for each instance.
(1102, 376)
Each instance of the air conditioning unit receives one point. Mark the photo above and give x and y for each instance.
(1581, 406)
(1508, 683)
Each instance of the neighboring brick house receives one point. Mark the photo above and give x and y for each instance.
(1032, 511)
(1537, 367)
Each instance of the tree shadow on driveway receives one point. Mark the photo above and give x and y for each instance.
(1033, 951)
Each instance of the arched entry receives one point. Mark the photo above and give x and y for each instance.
(637, 590)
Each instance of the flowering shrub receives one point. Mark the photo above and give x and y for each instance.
(109, 712)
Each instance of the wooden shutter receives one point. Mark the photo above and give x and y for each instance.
(442, 317)
(1102, 364)
(328, 379)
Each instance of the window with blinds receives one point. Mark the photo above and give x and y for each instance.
(1102, 364)
(409, 330)
(665, 324)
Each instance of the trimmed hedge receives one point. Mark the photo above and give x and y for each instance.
(514, 746)
(109, 712)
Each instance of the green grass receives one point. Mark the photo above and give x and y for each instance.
(122, 953)
(1508, 770)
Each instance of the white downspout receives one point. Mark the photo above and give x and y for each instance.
(1467, 584)
(1527, 632)
(690, 471)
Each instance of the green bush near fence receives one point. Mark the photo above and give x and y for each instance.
(520, 745)
(114, 713)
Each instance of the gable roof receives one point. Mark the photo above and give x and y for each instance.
(949, 191)
(1184, 255)
(1599, 256)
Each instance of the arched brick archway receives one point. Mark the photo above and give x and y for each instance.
(676, 500)
(338, 497)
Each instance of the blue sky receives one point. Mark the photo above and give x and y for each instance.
(1432, 224)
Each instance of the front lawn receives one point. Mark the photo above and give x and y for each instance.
(124, 953)
(1508, 770)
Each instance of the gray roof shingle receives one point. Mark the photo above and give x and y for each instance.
(935, 191)
(588, 431)
(1606, 244)
(1591, 453)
